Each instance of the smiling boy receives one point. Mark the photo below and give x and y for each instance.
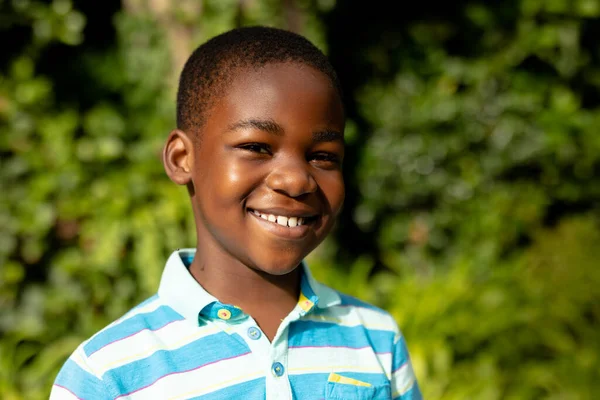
(259, 145)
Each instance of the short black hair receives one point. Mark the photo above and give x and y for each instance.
(211, 66)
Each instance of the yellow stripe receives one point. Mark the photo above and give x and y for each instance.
(333, 377)
(404, 389)
(212, 388)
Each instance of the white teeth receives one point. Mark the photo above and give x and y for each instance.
(282, 220)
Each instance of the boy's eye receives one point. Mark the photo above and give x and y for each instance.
(260, 148)
(325, 159)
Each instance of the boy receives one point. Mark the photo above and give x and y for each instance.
(259, 145)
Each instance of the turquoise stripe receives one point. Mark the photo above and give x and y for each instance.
(254, 389)
(400, 354)
(195, 355)
(80, 382)
(324, 334)
(151, 321)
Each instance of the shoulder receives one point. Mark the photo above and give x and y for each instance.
(81, 376)
(351, 301)
(120, 338)
(150, 315)
(352, 311)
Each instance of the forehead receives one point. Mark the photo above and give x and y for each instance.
(275, 72)
(285, 92)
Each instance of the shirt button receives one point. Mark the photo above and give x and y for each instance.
(277, 369)
(224, 314)
(254, 333)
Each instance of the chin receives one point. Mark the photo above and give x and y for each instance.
(278, 268)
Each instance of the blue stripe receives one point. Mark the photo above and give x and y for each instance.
(152, 321)
(308, 386)
(80, 382)
(400, 356)
(206, 350)
(254, 389)
(323, 334)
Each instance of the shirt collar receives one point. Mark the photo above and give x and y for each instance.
(180, 290)
(184, 294)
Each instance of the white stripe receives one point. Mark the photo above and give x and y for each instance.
(147, 308)
(370, 319)
(305, 360)
(224, 373)
(79, 358)
(403, 379)
(145, 343)
(60, 393)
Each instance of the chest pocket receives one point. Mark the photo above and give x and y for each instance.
(342, 388)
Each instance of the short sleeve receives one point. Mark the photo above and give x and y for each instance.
(76, 380)
(404, 383)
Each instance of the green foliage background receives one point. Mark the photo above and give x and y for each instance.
(472, 170)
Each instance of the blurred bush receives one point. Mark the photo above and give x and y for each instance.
(472, 211)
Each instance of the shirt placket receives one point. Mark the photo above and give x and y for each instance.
(277, 378)
(271, 358)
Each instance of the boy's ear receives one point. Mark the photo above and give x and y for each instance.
(178, 157)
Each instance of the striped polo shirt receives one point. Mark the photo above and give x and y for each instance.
(183, 343)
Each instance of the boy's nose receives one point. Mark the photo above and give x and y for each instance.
(292, 179)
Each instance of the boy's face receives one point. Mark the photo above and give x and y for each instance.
(271, 148)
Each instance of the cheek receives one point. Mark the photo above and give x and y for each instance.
(233, 181)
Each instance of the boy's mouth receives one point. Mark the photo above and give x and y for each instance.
(284, 220)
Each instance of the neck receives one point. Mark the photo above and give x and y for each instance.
(234, 283)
